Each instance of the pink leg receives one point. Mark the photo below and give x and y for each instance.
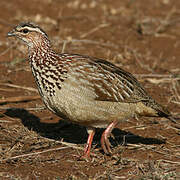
(104, 138)
(91, 132)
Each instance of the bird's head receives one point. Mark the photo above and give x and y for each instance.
(29, 33)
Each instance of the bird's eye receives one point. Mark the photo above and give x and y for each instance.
(25, 31)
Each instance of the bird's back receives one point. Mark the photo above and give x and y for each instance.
(96, 90)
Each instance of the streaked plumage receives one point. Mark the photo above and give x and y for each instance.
(85, 90)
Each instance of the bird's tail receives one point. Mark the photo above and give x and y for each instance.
(163, 112)
(173, 119)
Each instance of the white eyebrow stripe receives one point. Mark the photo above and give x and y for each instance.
(31, 29)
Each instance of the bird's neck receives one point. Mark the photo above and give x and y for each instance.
(40, 51)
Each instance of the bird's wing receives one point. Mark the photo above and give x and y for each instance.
(109, 82)
(117, 85)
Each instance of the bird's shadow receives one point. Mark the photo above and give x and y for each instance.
(73, 133)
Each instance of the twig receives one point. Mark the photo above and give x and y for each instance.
(90, 42)
(28, 109)
(166, 154)
(162, 80)
(64, 46)
(36, 108)
(136, 127)
(140, 146)
(172, 162)
(20, 87)
(18, 99)
(94, 30)
(32, 154)
(177, 96)
(176, 102)
(68, 145)
(72, 145)
(166, 22)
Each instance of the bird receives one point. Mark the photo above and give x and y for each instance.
(85, 90)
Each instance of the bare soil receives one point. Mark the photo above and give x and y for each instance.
(142, 37)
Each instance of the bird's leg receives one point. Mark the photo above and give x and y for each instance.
(91, 132)
(104, 138)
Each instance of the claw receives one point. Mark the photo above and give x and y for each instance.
(104, 138)
(105, 143)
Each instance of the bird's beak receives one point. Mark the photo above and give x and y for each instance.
(11, 33)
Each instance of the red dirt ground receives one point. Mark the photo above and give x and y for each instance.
(141, 37)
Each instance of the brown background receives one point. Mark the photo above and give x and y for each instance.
(142, 37)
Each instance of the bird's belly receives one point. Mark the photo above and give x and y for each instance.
(77, 106)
